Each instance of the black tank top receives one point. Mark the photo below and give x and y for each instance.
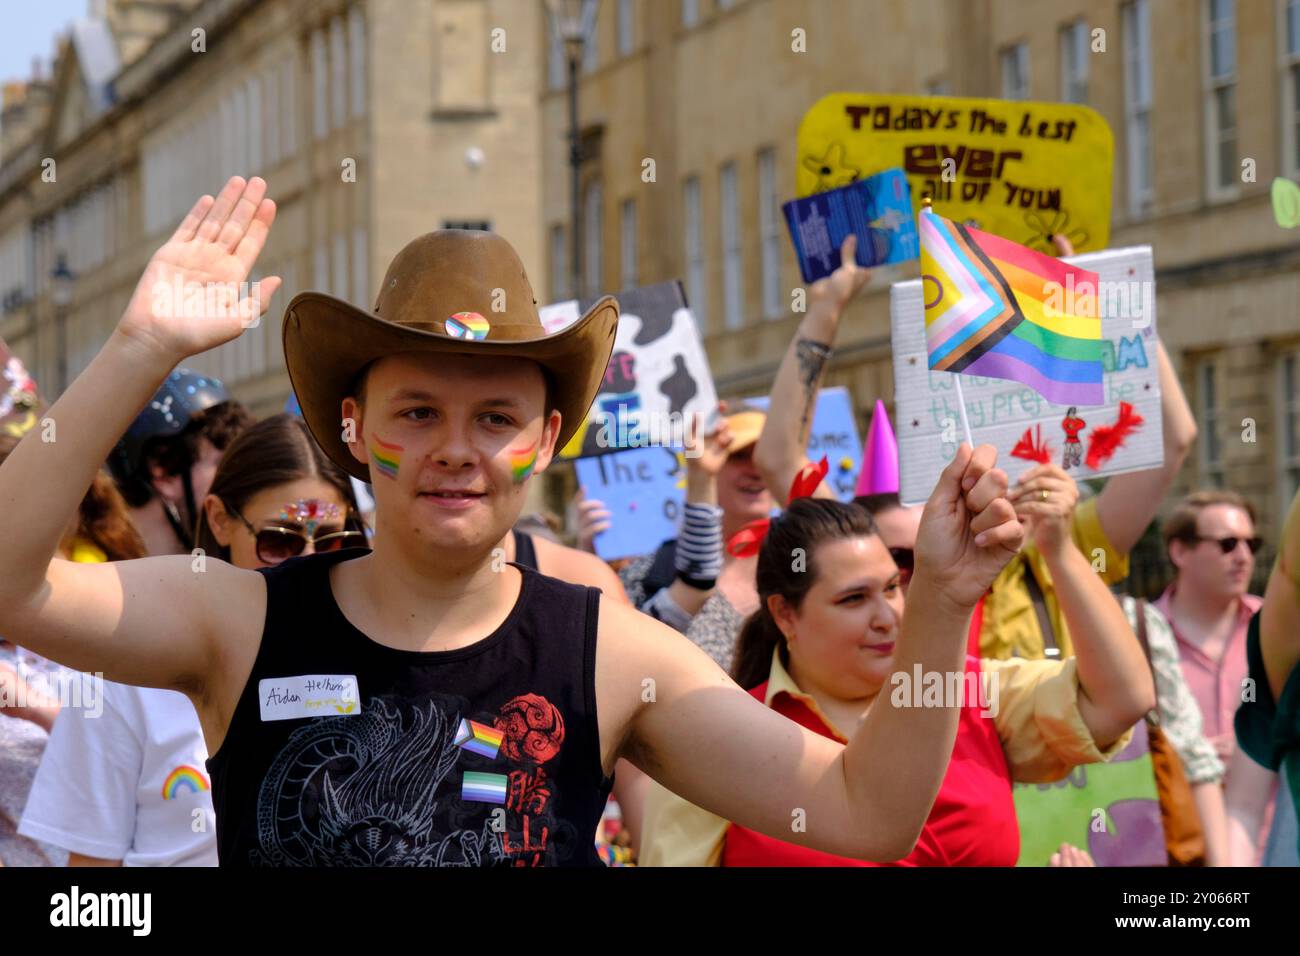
(525, 550)
(486, 755)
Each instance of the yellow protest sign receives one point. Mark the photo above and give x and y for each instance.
(1020, 169)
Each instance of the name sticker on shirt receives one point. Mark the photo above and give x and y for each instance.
(311, 695)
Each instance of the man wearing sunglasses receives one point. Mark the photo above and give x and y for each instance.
(1211, 542)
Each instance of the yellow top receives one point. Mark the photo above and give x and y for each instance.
(86, 553)
(1010, 627)
(1035, 710)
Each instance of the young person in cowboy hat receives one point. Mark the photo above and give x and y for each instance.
(475, 712)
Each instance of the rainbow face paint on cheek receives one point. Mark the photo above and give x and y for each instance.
(386, 456)
(522, 461)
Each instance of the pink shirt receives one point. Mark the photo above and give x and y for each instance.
(1216, 684)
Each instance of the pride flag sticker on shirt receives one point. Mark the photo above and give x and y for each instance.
(484, 787)
(479, 738)
(467, 325)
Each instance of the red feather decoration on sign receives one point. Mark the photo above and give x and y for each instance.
(1031, 446)
(1105, 440)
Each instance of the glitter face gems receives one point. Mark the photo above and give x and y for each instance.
(310, 512)
(467, 325)
(386, 457)
(522, 461)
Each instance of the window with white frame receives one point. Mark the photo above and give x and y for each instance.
(1209, 414)
(733, 273)
(1291, 87)
(626, 26)
(591, 43)
(319, 85)
(338, 73)
(559, 264)
(696, 293)
(1015, 72)
(255, 158)
(289, 104)
(360, 268)
(239, 120)
(339, 268)
(1289, 419)
(593, 259)
(1221, 95)
(556, 64)
(320, 269)
(1074, 62)
(628, 265)
(271, 123)
(1137, 105)
(690, 12)
(357, 60)
(228, 134)
(769, 233)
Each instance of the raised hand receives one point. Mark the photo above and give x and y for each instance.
(838, 289)
(193, 296)
(593, 518)
(969, 530)
(709, 450)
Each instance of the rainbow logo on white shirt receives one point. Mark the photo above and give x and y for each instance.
(184, 777)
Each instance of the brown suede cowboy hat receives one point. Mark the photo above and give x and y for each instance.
(451, 291)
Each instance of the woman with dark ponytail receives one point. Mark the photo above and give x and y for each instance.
(820, 650)
(807, 522)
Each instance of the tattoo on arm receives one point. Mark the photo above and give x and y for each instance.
(812, 358)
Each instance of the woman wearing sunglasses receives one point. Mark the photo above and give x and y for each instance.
(276, 496)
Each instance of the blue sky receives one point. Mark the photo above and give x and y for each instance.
(29, 30)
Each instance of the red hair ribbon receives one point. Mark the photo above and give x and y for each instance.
(746, 542)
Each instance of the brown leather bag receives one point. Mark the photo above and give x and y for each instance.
(1184, 838)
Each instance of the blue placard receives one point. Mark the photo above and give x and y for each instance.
(835, 435)
(642, 489)
(878, 210)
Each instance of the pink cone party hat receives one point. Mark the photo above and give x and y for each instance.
(879, 473)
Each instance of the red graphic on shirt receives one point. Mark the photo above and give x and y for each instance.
(528, 791)
(531, 849)
(527, 795)
(533, 727)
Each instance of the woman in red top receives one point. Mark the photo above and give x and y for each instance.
(820, 651)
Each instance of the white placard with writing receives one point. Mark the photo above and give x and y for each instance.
(926, 417)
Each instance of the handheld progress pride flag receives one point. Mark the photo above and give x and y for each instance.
(997, 309)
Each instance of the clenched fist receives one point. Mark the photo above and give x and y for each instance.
(969, 529)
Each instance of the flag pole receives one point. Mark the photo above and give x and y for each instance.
(926, 207)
